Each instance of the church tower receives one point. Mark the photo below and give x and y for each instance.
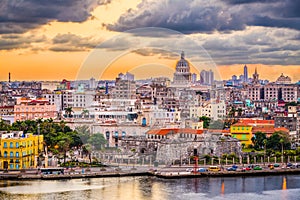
(255, 77)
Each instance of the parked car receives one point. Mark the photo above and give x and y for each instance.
(246, 168)
(214, 168)
(189, 169)
(276, 165)
(231, 169)
(202, 170)
(257, 167)
(289, 165)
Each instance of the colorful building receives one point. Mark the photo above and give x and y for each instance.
(242, 132)
(20, 151)
(31, 109)
(245, 129)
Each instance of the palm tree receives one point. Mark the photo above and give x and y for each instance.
(240, 112)
(232, 112)
(69, 111)
(85, 113)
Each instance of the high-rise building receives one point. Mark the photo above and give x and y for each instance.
(207, 77)
(245, 74)
(194, 78)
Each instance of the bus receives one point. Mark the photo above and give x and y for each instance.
(56, 171)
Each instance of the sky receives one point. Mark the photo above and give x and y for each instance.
(75, 39)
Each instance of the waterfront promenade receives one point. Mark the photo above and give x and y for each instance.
(160, 172)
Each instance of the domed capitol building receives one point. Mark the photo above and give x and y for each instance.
(182, 76)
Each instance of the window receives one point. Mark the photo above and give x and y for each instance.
(11, 154)
(5, 154)
(5, 145)
(11, 166)
(244, 137)
(17, 154)
(11, 144)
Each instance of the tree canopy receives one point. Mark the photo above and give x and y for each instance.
(259, 140)
(278, 140)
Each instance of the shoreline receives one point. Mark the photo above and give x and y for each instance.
(168, 175)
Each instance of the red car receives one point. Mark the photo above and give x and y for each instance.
(246, 169)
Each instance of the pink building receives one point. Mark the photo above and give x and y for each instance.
(31, 109)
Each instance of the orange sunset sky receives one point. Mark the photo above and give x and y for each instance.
(54, 41)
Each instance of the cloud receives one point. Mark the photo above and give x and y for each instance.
(185, 16)
(16, 41)
(193, 16)
(19, 16)
(157, 52)
(72, 42)
(255, 45)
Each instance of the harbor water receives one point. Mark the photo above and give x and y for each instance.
(149, 188)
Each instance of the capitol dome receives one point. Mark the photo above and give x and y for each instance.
(182, 76)
(182, 65)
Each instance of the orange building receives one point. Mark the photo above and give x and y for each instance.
(31, 109)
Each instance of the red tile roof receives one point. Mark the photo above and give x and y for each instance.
(256, 121)
(166, 131)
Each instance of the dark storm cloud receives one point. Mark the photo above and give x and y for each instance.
(19, 16)
(72, 42)
(192, 16)
(185, 16)
(249, 1)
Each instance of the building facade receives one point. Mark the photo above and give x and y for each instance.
(20, 151)
(31, 109)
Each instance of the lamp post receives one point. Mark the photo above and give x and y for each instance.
(38, 151)
(281, 141)
(265, 142)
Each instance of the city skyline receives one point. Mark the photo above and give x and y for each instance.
(51, 42)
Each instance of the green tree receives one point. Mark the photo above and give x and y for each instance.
(232, 112)
(277, 139)
(69, 111)
(84, 133)
(218, 124)
(205, 120)
(85, 113)
(97, 140)
(4, 126)
(240, 112)
(64, 142)
(258, 140)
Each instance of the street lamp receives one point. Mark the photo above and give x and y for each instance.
(265, 142)
(38, 152)
(281, 141)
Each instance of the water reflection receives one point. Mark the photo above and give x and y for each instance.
(152, 188)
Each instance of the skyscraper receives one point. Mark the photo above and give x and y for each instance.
(207, 77)
(245, 74)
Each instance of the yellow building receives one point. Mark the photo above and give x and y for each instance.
(20, 151)
(242, 132)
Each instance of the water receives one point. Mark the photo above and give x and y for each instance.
(152, 188)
